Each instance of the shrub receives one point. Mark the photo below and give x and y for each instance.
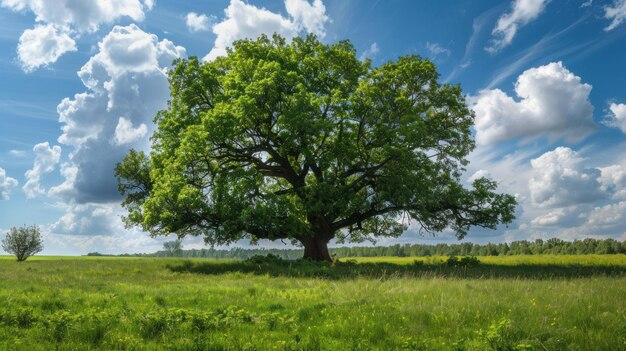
(23, 242)
(467, 261)
(269, 259)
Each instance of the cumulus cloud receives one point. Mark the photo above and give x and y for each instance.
(561, 179)
(126, 77)
(522, 12)
(247, 21)
(95, 227)
(609, 217)
(613, 179)
(572, 199)
(196, 22)
(59, 19)
(601, 221)
(126, 134)
(43, 45)
(615, 13)
(46, 158)
(618, 117)
(553, 102)
(311, 16)
(84, 15)
(149, 4)
(6, 184)
(86, 219)
(562, 217)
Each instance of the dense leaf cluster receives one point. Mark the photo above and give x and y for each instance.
(23, 242)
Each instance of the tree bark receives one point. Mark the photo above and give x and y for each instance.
(316, 249)
(316, 245)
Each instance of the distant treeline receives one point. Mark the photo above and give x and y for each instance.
(538, 247)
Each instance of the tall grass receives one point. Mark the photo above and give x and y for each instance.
(506, 303)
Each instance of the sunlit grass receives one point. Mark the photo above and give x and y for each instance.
(82, 303)
(585, 260)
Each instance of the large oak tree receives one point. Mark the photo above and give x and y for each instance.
(305, 142)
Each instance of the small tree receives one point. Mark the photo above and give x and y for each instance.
(23, 242)
(173, 248)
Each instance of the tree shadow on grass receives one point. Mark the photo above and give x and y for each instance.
(351, 270)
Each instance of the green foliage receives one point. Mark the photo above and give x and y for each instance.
(538, 247)
(305, 142)
(268, 259)
(467, 261)
(93, 303)
(173, 248)
(23, 242)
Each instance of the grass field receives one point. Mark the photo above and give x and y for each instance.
(505, 303)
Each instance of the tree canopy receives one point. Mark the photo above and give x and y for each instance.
(305, 142)
(23, 242)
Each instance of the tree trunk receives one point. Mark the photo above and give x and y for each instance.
(316, 246)
(316, 249)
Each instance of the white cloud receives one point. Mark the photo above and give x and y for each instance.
(311, 16)
(86, 219)
(609, 216)
(126, 77)
(562, 217)
(95, 227)
(59, 19)
(126, 134)
(149, 4)
(615, 13)
(522, 12)
(196, 22)
(6, 184)
(561, 179)
(17, 153)
(244, 21)
(66, 189)
(125, 241)
(127, 50)
(46, 158)
(481, 173)
(371, 52)
(43, 45)
(84, 15)
(601, 222)
(553, 103)
(618, 119)
(436, 49)
(613, 179)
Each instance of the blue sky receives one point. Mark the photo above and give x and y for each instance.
(80, 84)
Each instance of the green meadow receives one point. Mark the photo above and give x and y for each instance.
(382, 303)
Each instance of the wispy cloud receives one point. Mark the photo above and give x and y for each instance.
(539, 50)
(371, 52)
(27, 109)
(615, 13)
(522, 12)
(17, 153)
(477, 28)
(586, 3)
(436, 49)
